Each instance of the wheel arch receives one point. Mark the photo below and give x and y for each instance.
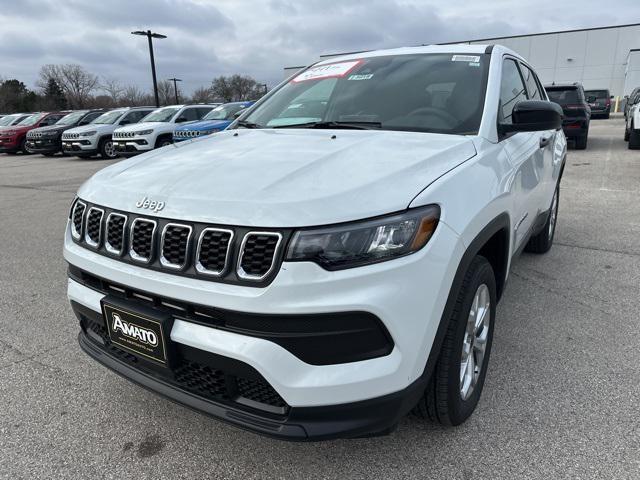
(492, 242)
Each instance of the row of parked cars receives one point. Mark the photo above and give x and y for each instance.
(112, 133)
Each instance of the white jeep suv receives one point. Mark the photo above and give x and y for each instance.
(95, 138)
(156, 129)
(334, 259)
(632, 123)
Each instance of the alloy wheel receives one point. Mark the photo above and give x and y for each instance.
(474, 343)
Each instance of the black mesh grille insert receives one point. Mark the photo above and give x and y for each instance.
(175, 244)
(258, 254)
(260, 392)
(78, 213)
(201, 380)
(142, 238)
(115, 232)
(214, 246)
(94, 225)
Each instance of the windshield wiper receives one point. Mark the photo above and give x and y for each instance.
(246, 124)
(335, 124)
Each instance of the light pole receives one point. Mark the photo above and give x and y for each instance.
(264, 85)
(149, 34)
(175, 87)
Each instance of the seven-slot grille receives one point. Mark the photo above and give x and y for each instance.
(258, 251)
(93, 229)
(175, 245)
(114, 241)
(187, 133)
(123, 134)
(190, 249)
(70, 136)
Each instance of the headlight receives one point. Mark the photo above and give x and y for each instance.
(9, 133)
(89, 134)
(144, 132)
(362, 243)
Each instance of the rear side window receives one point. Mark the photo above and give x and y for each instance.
(189, 114)
(512, 90)
(202, 111)
(564, 96)
(532, 84)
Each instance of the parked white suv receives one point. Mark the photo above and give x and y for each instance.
(632, 122)
(95, 138)
(334, 259)
(156, 129)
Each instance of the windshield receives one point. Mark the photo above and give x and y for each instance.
(441, 93)
(71, 119)
(109, 117)
(31, 120)
(224, 112)
(160, 115)
(564, 97)
(8, 120)
(593, 95)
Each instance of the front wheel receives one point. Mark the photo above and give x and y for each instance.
(456, 384)
(107, 150)
(163, 142)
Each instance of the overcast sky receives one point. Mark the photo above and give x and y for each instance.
(207, 38)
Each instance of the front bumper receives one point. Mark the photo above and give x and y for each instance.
(407, 294)
(9, 144)
(43, 146)
(130, 147)
(82, 146)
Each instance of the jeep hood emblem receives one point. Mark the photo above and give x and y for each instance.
(149, 204)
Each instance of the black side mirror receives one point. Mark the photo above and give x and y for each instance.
(182, 119)
(124, 121)
(238, 113)
(534, 116)
(84, 122)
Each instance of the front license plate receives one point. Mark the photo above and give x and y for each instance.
(139, 333)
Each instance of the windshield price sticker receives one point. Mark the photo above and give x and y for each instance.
(465, 58)
(333, 70)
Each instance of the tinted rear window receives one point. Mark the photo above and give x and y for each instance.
(564, 96)
(599, 94)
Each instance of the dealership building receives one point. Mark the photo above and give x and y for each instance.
(599, 58)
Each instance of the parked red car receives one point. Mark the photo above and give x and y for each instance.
(13, 138)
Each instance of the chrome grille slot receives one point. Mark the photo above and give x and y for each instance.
(114, 239)
(258, 255)
(175, 245)
(141, 240)
(93, 228)
(213, 251)
(77, 219)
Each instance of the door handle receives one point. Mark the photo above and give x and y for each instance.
(544, 141)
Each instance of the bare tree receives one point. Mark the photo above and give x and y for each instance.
(76, 82)
(202, 95)
(113, 87)
(133, 96)
(236, 88)
(166, 93)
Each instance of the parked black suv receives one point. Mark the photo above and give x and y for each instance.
(577, 113)
(48, 140)
(630, 101)
(600, 103)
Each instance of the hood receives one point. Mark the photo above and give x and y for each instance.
(90, 128)
(52, 128)
(134, 127)
(281, 178)
(206, 125)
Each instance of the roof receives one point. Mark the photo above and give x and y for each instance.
(449, 48)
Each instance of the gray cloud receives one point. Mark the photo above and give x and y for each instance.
(259, 38)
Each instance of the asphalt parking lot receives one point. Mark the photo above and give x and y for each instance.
(562, 397)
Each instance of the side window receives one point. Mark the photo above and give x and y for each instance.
(202, 112)
(532, 85)
(50, 120)
(189, 114)
(135, 116)
(512, 90)
(90, 117)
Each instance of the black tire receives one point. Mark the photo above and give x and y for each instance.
(542, 242)
(581, 141)
(48, 154)
(105, 147)
(607, 115)
(442, 401)
(23, 147)
(163, 141)
(634, 138)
